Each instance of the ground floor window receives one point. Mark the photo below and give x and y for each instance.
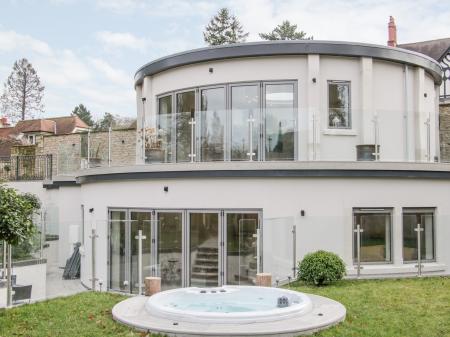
(418, 224)
(372, 244)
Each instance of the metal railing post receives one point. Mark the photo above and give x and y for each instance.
(109, 146)
(358, 232)
(427, 124)
(8, 280)
(140, 237)
(418, 230)
(294, 247)
(250, 120)
(376, 154)
(4, 260)
(93, 276)
(89, 149)
(192, 154)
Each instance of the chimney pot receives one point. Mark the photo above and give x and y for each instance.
(392, 33)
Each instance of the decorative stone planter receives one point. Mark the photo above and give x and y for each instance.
(366, 152)
(152, 285)
(264, 279)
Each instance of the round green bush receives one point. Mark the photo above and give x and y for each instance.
(321, 268)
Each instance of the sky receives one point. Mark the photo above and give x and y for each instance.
(87, 51)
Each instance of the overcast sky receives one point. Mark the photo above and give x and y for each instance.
(87, 51)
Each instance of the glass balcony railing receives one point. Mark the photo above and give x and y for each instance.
(263, 134)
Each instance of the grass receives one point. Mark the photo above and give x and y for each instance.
(382, 308)
(407, 307)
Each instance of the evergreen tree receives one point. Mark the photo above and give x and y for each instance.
(84, 114)
(23, 92)
(224, 28)
(106, 122)
(285, 31)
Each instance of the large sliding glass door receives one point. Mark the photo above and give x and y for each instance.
(185, 118)
(124, 249)
(212, 124)
(241, 254)
(140, 221)
(170, 248)
(280, 121)
(118, 244)
(204, 249)
(201, 248)
(245, 117)
(237, 121)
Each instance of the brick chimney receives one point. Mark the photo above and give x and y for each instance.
(4, 122)
(392, 29)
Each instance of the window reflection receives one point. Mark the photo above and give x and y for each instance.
(412, 218)
(339, 105)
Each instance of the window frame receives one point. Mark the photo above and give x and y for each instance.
(372, 210)
(350, 115)
(228, 88)
(423, 210)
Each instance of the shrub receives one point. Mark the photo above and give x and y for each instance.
(321, 268)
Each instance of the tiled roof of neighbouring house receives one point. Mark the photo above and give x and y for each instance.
(55, 125)
(435, 49)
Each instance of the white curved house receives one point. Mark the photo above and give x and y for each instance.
(242, 145)
(252, 155)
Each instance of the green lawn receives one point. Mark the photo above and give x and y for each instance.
(408, 307)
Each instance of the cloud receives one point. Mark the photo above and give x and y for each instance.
(11, 41)
(113, 74)
(166, 8)
(113, 40)
(350, 20)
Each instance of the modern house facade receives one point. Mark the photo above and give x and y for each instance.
(250, 156)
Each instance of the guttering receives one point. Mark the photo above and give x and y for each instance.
(284, 48)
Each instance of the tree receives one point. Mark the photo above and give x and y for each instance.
(16, 222)
(84, 114)
(107, 121)
(285, 31)
(224, 28)
(23, 92)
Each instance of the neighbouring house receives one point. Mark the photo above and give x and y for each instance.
(248, 156)
(29, 133)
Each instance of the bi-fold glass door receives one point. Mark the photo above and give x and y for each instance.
(202, 248)
(123, 249)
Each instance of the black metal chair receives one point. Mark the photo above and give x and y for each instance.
(21, 293)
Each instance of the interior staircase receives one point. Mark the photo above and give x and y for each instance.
(205, 270)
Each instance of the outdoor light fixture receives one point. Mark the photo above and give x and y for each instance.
(211, 70)
(166, 188)
(91, 210)
(314, 80)
(302, 212)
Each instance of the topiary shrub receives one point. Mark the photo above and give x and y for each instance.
(321, 268)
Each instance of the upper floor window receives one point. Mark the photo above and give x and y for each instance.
(339, 114)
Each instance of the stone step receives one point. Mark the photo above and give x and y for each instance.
(204, 276)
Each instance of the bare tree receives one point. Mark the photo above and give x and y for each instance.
(23, 92)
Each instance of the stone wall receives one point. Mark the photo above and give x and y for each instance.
(70, 152)
(444, 131)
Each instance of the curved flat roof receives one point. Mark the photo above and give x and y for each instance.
(282, 48)
(267, 170)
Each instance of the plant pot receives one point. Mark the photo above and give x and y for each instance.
(366, 152)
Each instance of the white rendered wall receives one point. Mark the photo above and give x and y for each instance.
(63, 213)
(377, 88)
(327, 203)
